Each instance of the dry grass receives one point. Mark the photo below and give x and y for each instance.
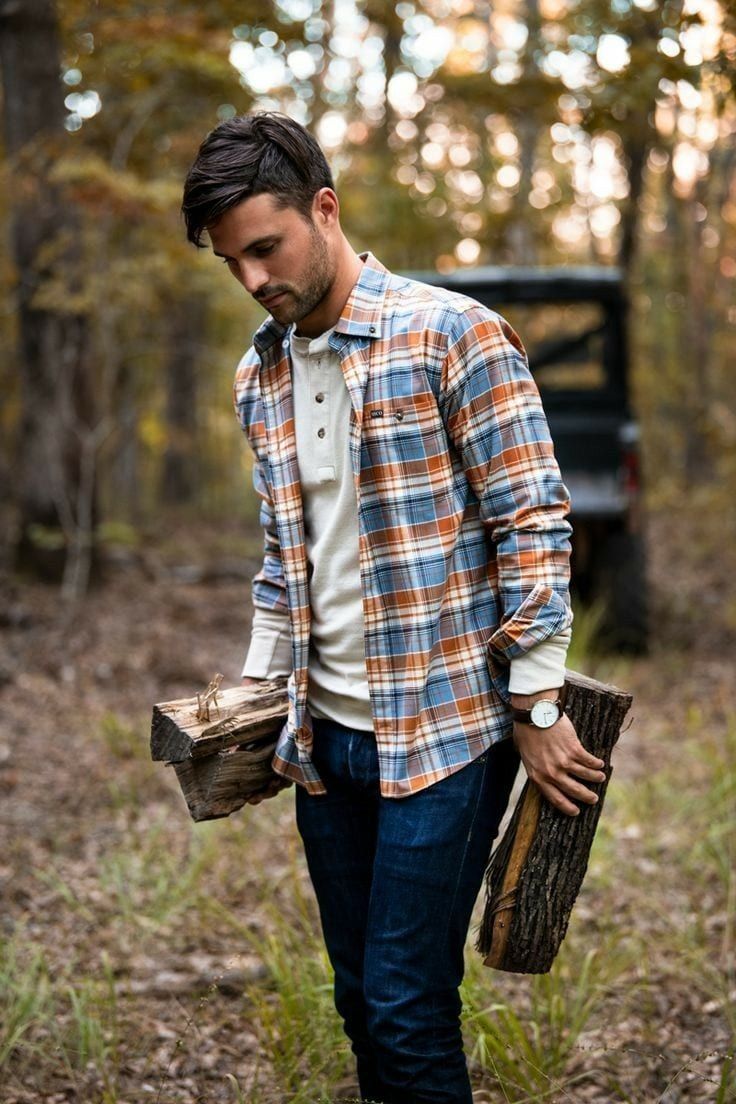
(147, 958)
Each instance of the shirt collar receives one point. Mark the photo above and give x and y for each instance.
(361, 316)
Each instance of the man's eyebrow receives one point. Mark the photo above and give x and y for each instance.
(251, 245)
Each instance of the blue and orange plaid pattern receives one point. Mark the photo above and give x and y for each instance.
(464, 542)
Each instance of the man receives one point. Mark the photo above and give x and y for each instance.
(414, 584)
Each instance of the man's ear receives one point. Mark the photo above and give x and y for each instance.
(326, 208)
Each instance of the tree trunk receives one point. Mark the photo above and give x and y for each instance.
(521, 245)
(536, 872)
(636, 149)
(56, 399)
(179, 482)
(697, 328)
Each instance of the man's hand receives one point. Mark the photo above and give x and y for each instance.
(246, 680)
(554, 758)
(270, 790)
(278, 784)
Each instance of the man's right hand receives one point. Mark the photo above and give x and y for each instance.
(271, 790)
(277, 784)
(248, 681)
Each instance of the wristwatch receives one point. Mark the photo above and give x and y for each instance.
(543, 714)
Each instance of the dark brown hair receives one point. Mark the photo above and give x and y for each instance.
(247, 156)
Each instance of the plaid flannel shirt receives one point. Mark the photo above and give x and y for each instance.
(464, 543)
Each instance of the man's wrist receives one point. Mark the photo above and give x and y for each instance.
(526, 701)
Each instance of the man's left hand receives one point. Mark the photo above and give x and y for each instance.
(556, 761)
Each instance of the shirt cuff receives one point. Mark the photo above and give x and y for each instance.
(542, 667)
(269, 654)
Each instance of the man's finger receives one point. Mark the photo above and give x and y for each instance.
(586, 772)
(261, 795)
(558, 799)
(565, 776)
(583, 756)
(575, 789)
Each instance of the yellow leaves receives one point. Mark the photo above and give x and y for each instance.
(92, 183)
(152, 26)
(152, 432)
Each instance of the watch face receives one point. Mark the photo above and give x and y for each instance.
(545, 713)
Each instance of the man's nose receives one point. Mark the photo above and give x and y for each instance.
(253, 277)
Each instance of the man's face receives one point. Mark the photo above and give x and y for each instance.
(281, 259)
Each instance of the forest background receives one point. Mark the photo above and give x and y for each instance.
(545, 132)
(142, 957)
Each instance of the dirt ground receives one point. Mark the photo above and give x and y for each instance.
(75, 788)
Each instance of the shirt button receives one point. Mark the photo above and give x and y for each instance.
(321, 432)
(319, 397)
(399, 415)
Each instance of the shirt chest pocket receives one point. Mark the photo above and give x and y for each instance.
(403, 428)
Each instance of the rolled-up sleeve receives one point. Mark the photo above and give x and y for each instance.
(495, 420)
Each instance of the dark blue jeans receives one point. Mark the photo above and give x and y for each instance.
(396, 880)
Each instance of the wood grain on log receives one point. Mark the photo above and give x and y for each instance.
(219, 784)
(242, 714)
(536, 871)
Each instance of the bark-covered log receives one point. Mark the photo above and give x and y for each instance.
(536, 871)
(239, 715)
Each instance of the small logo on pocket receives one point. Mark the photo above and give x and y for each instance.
(397, 414)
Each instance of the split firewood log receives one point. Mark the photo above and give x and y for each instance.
(537, 869)
(221, 743)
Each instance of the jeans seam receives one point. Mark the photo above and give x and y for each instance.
(461, 864)
(467, 842)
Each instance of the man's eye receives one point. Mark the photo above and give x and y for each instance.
(264, 250)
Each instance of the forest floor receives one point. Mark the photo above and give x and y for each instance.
(143, 957)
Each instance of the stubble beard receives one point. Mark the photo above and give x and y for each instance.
(301, 301)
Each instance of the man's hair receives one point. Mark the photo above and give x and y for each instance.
(251, 155)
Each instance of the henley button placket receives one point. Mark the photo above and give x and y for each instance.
(320, 383)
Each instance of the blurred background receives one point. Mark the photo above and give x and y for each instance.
(573, 162)
(544, 132)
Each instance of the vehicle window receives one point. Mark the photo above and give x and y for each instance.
(564, 343)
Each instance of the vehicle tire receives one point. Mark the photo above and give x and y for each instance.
(621, 586)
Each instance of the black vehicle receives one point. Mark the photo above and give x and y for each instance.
(573, 323)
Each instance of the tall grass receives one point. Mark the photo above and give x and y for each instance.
(300, 1033)
(26, 997)
(157, 878)
(525, 1036)
(658, 909)
(48, 1019)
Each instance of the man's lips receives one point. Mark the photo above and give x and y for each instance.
(272, 300)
